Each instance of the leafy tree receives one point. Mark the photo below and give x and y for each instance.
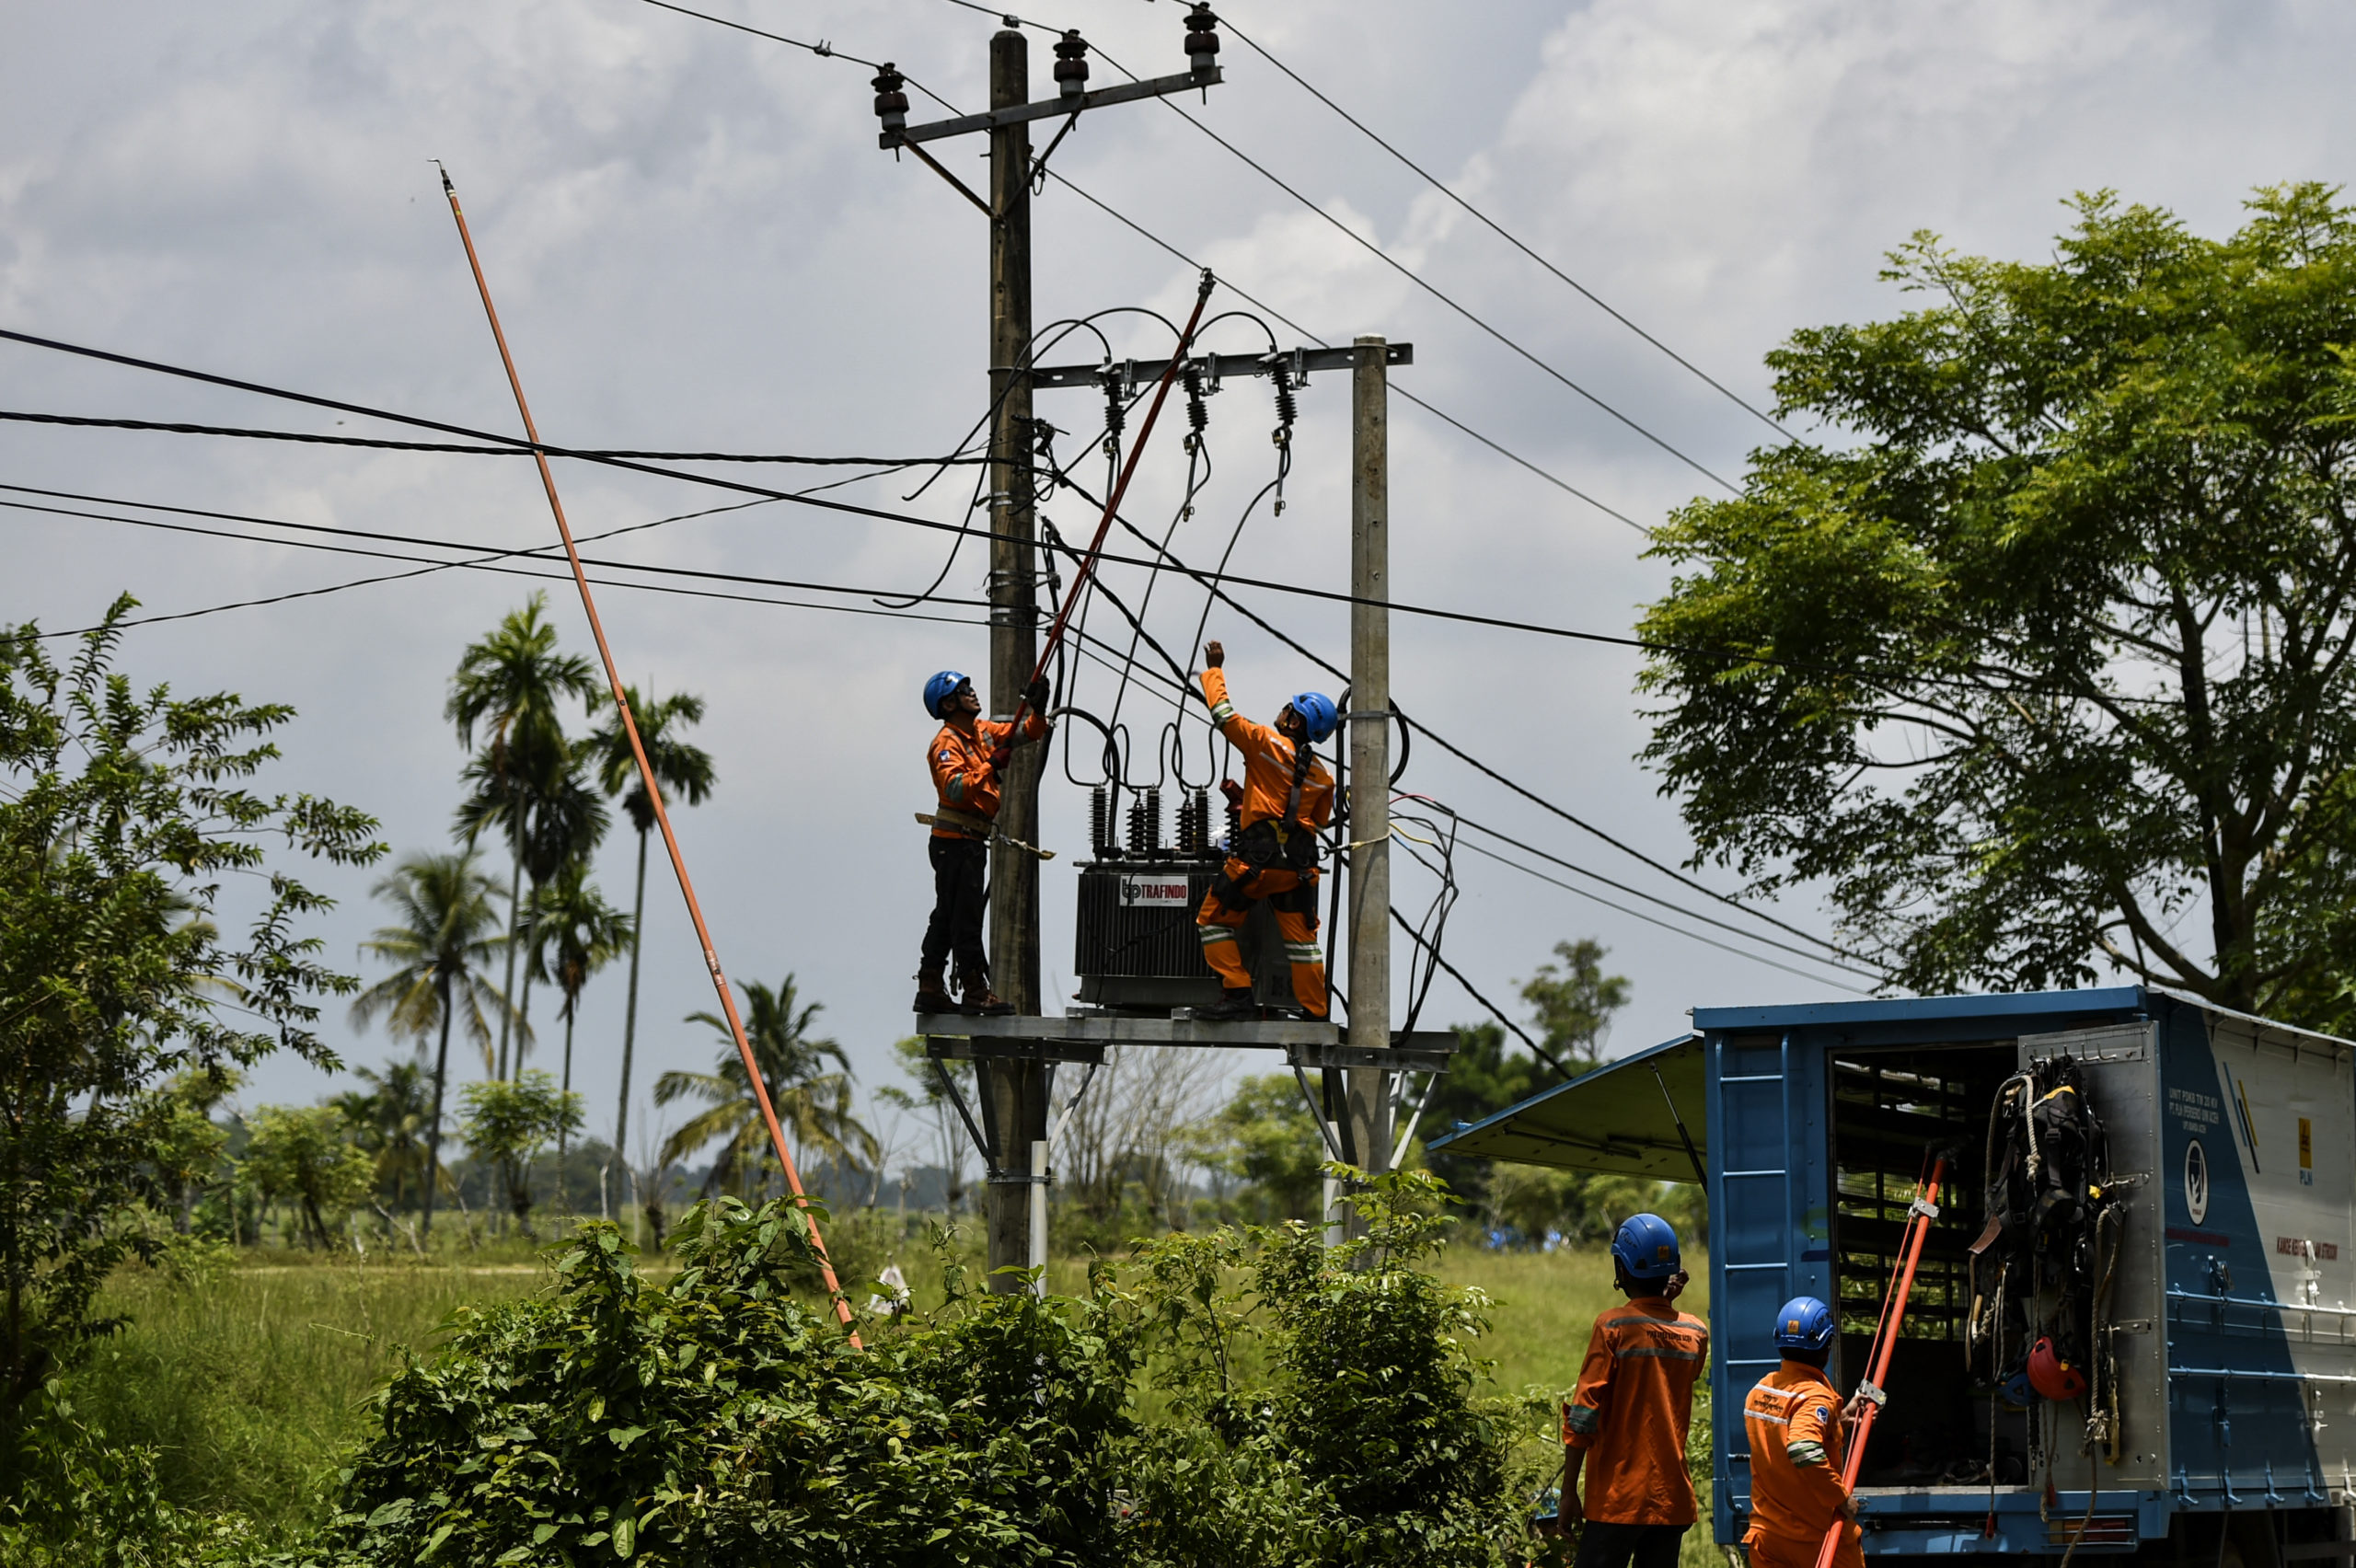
(1575, 1003)
(1264, 1137)
(2046, 645)
(1572, 1002)
(304, 1154)
(681, 771)
(812, 1106)
(448, 933)
(514, 683)
(510, 1121)
(122, 815)
(574, 933)
(188, 1144)
(391, 1121)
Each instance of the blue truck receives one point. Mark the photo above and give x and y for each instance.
(2132, 1329)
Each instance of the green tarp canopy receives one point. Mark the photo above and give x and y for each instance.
(1616, 1119)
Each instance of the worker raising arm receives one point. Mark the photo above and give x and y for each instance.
(1626, 1424)
(967, 759)
(1793, 1419)
(1286, 795)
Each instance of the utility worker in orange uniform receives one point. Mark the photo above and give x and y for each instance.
(1793, 1421)
(1626, 1424)
(1285, 797)
(967, 758)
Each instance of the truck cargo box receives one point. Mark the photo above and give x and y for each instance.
(2192, 1261)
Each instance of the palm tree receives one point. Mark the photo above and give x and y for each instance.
(682, 772)
(448, 934)
(813, 1106)
(388, 1121)
(574, 933)
(513, 683)
(562, 821)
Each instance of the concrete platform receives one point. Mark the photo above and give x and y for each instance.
(1083, 1038)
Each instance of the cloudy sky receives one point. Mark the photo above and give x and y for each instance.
(695, 242)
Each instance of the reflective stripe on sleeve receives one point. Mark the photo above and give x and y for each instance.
(1804, 1454)
(1223, 710)
(956, 789)
(1585, 1420)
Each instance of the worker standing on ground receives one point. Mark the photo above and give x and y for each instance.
(967, 758)
(1625, 1423)
(1285, 797)
(1793, 1419)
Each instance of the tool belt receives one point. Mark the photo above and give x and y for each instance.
(972, 827)
(1267, 845)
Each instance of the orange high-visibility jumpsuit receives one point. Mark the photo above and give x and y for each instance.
(1793, 1419)
(1629, 1415)
(958, 759)
(1291, 894)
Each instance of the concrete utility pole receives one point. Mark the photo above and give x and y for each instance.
(1368, 1090)
(1017, 1090)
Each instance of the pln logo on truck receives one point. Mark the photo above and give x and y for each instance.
(1153, 893)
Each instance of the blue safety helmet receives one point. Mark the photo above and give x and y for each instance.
(1804, 1323)
(1316, 711)
(1645, 1248)
(941, 688)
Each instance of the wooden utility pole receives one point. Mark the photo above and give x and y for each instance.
(1016, 1090)
(1368, 1090)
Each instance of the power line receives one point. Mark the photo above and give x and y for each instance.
(483, 562)
(827, 50)
(1650, 920)
(520, 449)
(1655, 898)
(1495, 227)
(1397, 266)
(798, 498)
(1445, 418)
(486, 555)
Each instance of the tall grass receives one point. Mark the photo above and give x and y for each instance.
(249, 1380)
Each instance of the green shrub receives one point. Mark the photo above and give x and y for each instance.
(717, 1419)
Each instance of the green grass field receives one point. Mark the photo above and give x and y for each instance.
(251, 1378)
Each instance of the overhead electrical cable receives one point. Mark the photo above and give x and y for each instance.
(1177, 685)
(429, 565)
(1228, 21)
(1371, 248)
(1116, 215)
(1653, 920)
(519, 449)
(803, 498)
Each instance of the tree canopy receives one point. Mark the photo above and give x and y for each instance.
(2037, 655)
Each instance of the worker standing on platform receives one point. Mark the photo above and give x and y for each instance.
(1794, 1420)
(1625, 1423)
(1286, 795)
(967, 758)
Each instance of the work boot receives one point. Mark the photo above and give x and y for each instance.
(932, 992)
(983, 1002)
(1235, 1004)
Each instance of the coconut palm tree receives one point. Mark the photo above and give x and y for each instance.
(388, 1121)
(814, 1106)
(563, 821)
(447, 935)
(574, 933)
(514, 683)
(682, 772)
